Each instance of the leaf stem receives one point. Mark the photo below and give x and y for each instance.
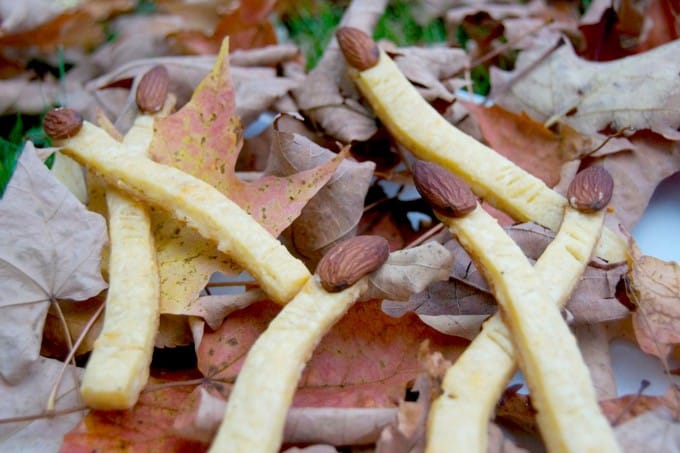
(46, 414)
(51, 400)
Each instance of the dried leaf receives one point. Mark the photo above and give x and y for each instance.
(304, 425)
(334, 212)
(145, 427)
(638, 92)
(427, 67)
(50, 249)
(29, 397)
(593, 341)
(204, 138)
(328, 96)
(654, 431)
(637, 172)
(366, 360)
(500, 443)
(523, 140)
(656, 294)
(406, 433)
(409, 271)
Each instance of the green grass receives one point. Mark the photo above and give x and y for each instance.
(18, 129)
(312, 25)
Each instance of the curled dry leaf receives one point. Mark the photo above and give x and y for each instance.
(50, 249)
(304, 425)
(334, 212)
(655, 293)
(409, 271)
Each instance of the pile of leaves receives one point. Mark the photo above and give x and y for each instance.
(563, 88)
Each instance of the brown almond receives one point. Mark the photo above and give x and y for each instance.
(442, 190)
(591, 189)
(62, 123)
(152, 89)
(360, 51)
(348, 261)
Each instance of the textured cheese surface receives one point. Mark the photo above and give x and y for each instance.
(118, 367)
(474, 384)
(559, 381)
(429, 136)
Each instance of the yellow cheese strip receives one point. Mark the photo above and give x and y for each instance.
(199, 204)
(118, 367)
(473, 385)
(562, 392)
(429, 136)
(260, 399)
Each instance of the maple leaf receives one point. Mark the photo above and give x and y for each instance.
(366, 360)
(204, 137)
(639, 92)
(29, 397)
(50, 249)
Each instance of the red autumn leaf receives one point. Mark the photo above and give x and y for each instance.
(523, 140)
(204, 138)
(367, 360)
(145, 428)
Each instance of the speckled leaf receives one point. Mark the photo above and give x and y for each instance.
(204, 138)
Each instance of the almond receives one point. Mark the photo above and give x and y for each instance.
(360, 51)
(348, 261)
(442, 190)
(62, 123)
(591, 189)
(152, 89)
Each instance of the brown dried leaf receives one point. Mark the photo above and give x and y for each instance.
(654, 431)
(593, 341)
(409, 271)
(334, 212)
(406, 433)
(427, 67)
(500, 443)
(304, 425)
(523, 140)
(328, 96)
(639, 92)
(637, 172)
(656, 294)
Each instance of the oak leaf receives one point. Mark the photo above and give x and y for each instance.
(638, 92)
(50, 249)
